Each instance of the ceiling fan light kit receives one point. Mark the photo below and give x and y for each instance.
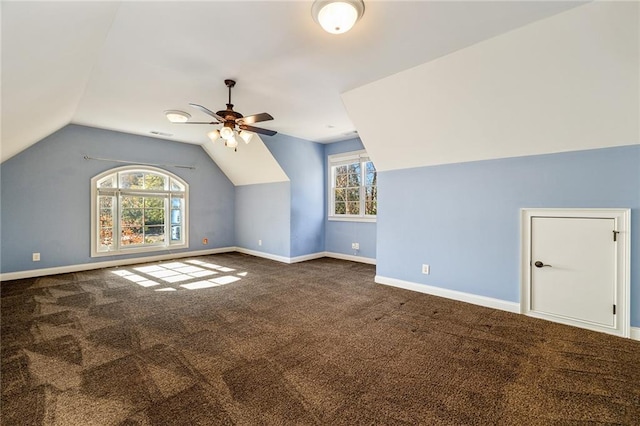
(337, 16)
(235, 126)
(246, 136)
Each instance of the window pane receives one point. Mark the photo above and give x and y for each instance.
(154, 216)
(176, 203)
(371, 208)
(176, 186)
(154, 181)
(153, 234)
(157, 202)
(341, 181)
(340, 195)
(106, 202)
(370, 178)
(354, 168)
(353, 194)
(131, 217)
(354, 180)
(176, 217)
(340, 208)
(106, 239)
(106, 218)
(176, 233)
(370, 193)
(132, 180)
(131, 236)
(341, 170)
(108, 182)
(132, 201)
(353, 207)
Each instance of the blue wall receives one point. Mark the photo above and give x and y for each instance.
(464, 219)
(46, 195)
(340, 234)
(263, 213)
(303, 162)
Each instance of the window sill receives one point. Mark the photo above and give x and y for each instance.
(351, 219)
(139, 250)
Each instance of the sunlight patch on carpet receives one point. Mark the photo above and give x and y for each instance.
(180, 272)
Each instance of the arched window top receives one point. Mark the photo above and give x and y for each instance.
(140, 178)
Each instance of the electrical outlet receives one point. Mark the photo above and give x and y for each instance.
(205, 241)
(425, 269)
(259, 242)
(355, 246)
(35, 257)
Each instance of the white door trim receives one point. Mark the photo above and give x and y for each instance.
(622, 223)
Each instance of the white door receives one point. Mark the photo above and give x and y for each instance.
(573, 269)
(583, 267)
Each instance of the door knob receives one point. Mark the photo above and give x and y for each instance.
(539, 264)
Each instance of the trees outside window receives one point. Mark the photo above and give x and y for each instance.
(138, 209)
(353, 193)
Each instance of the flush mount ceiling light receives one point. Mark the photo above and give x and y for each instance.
(176, 116)
(337, 16)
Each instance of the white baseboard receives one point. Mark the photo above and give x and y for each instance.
(264, 255)
(451, 294)
(108, 264)
(306, 257)
(635, 333)
(361, 259)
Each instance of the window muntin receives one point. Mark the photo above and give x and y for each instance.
(138, 209)
(353, 187)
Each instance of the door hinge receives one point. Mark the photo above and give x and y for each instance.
(615, 235)
(614, 309)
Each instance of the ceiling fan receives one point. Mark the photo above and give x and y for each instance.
(235, 126)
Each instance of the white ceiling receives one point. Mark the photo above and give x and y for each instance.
(119, 65)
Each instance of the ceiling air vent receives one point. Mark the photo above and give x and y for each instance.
(155, 132)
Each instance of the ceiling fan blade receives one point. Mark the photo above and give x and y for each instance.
(208, 112)
(255, 118)
(257, 130)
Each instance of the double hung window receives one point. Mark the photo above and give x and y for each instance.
(138, 209)
(353, 191)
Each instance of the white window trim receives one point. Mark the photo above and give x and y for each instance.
(144, 249)
(336, 160)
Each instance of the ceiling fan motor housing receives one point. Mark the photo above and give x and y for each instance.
(229, 114)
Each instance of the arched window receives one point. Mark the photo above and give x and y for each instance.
(138, 209)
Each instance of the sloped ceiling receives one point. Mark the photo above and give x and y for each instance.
(48, 52)
(119, 65)
(566, 83)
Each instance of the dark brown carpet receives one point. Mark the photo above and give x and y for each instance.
(311, 343)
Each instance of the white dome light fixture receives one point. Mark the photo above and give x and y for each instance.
(337, 16)
(176, 116)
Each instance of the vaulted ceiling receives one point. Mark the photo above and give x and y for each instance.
(119, 65)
